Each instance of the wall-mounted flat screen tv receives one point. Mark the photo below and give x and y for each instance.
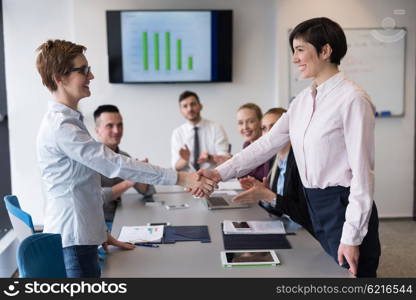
(156, 46)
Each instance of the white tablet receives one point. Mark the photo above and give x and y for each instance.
(249, 258)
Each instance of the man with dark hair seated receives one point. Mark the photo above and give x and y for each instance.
(109, 129)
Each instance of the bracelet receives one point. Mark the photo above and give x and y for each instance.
(274, 202)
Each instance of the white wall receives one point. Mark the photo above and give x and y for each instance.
(260, 74)
(394, 136)
(26, 24)
(150, 111)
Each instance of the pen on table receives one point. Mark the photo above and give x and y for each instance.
(147, 245)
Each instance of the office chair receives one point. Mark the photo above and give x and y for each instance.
(21, 220)
(23, 225)
(40, 256)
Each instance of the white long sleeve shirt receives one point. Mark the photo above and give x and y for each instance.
(333, 146)
(212, 138)
(70, 161)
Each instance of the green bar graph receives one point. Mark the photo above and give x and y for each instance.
(163, 48)
(190, 63)
(179, 54)
(145, 52)
(156, 50)
(167, 50)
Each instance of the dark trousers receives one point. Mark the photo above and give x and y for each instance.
(327, 210)
(81, 262)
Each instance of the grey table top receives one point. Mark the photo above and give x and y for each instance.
(195, 259)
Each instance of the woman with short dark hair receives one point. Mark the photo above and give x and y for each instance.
(331, 128)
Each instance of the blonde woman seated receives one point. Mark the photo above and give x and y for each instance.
(281, 193)
(249, 125)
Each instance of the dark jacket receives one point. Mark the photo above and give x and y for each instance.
(293, 202)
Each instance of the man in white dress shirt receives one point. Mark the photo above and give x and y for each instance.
(199, 143)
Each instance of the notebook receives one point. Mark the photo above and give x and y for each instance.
(141, 234)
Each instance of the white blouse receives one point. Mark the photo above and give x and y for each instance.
(333, 143)
(71, 162)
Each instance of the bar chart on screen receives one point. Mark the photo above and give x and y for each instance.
(162, 58)
(163, 46)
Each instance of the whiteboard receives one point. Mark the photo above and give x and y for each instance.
(375, 60)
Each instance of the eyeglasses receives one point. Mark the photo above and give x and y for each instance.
(84, 70)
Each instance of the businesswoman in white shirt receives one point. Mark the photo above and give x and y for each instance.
(331, 128)
(71, 160)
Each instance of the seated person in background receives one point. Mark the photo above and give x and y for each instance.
(282, 192)
(199, 143)
(109, 129)
(249, 125)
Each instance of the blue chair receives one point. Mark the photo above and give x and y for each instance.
(40, 256)
(21, 220)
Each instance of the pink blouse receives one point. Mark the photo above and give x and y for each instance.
(333, 143)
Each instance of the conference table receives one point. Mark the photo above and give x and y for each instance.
(193, 259)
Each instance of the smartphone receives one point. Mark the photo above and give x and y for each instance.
(159, 224)
(241, 226)
(183, 205)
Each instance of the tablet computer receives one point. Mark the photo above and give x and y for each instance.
(249, 258)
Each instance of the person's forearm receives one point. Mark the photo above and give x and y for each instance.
(181, 164)
(269, 195)
(119, 189)
(359, 124)
(182, 179)
(258, 152)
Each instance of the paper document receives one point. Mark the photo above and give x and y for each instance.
(254, 227)
(229, 185)
(141, 234)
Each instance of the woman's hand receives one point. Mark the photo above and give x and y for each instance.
(257, 192)
(113, 241)
(248, 182)
(351, 254)
(200, 186)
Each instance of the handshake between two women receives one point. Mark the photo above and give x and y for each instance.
(201, 183)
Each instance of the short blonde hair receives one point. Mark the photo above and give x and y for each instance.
(55, 59)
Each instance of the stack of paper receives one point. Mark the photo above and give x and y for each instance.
(254, 227)
(141, 234)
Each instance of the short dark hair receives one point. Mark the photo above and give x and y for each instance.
(319, 32)
(103, 109)
(188, 94)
